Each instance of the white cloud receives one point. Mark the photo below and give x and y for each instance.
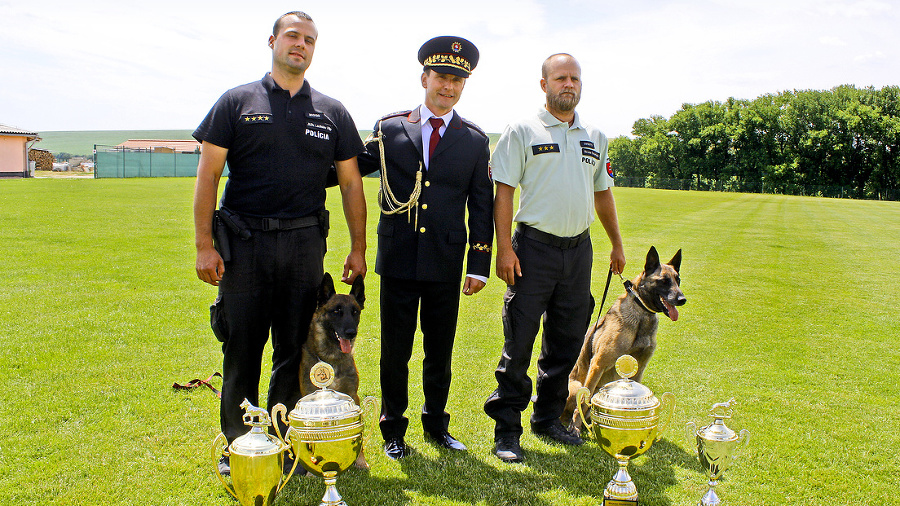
(121, 65)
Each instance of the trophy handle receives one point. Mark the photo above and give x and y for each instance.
(690, 430)
(219, 449)
(743, 438)
(369, 409)
(668, 409)
(579, 397)
(279, 409)
(279, 413)
(293, 468)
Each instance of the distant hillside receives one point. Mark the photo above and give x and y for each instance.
(81, 143)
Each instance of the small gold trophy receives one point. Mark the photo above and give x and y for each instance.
(325, 432)
(256, 460)
(626, 418)
(717, 446)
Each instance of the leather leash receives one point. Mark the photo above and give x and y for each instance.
(629, 287)
(196, 383)
(605, 291)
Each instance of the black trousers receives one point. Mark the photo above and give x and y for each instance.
(439, 310)
(269, 285)
(555, 287)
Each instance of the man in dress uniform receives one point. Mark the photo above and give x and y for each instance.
(561, 166)
(435, 167)
(280, 138)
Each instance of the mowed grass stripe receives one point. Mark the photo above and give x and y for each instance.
(790, 310)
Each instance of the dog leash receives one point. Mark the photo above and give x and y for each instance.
(629, 287)
(605, 291)
(194, 383)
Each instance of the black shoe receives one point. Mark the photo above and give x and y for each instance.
(445, 440)
(224, 466)
(557, 432)
(507, 449)
(395, 448)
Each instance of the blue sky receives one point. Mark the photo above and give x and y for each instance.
(104, 65)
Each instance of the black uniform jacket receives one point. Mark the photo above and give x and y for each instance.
(432, 247)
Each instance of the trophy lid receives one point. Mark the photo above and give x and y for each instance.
(324, 404)
(624, 394)
(717, 431)
(257, 441)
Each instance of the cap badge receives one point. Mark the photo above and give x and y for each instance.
(456, 47)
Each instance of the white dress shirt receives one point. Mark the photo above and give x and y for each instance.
(426, 114)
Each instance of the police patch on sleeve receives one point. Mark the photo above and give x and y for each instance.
(539, 149)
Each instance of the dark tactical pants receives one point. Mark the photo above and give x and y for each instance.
(400, 300)
(270, 283)
(555, 287)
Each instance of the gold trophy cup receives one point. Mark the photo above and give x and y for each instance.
(717, 446)
(325, 431)
(626, 418)
(256, 460)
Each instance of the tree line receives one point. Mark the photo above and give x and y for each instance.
(843, 142)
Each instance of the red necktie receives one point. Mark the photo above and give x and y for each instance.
(436, 124)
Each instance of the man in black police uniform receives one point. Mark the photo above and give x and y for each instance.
(436, 167)
(279, 137)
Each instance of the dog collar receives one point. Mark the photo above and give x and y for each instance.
(629, 287)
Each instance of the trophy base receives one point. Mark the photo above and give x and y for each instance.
(619, 502)
(620, 491)
(710, 499)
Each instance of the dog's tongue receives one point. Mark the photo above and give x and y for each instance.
(673, 312)
(347, 345)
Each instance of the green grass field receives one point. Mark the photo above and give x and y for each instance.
(790, 311)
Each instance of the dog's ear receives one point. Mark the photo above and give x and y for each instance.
(652, 261)
(326, 289)
(358, 291)
(675, 262)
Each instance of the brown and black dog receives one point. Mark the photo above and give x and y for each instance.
(629, 327)
(332, 334)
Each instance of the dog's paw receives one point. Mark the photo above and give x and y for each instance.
(361, 463)
(575, 426)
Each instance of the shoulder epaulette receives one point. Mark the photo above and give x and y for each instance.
(473, 126)
(395, 114)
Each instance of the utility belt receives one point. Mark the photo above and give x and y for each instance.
(269, 224)
(243, 227)
(550, 239)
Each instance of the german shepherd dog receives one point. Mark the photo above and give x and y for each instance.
(629, 327)
(332, 334)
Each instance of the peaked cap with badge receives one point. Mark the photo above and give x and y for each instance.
(449, 55)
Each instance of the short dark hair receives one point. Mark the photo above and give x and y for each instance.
(280, 21)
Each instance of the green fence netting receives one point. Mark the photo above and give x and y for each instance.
(116, 161)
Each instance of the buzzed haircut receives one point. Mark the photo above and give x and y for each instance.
(545, 66)
(280, 21)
